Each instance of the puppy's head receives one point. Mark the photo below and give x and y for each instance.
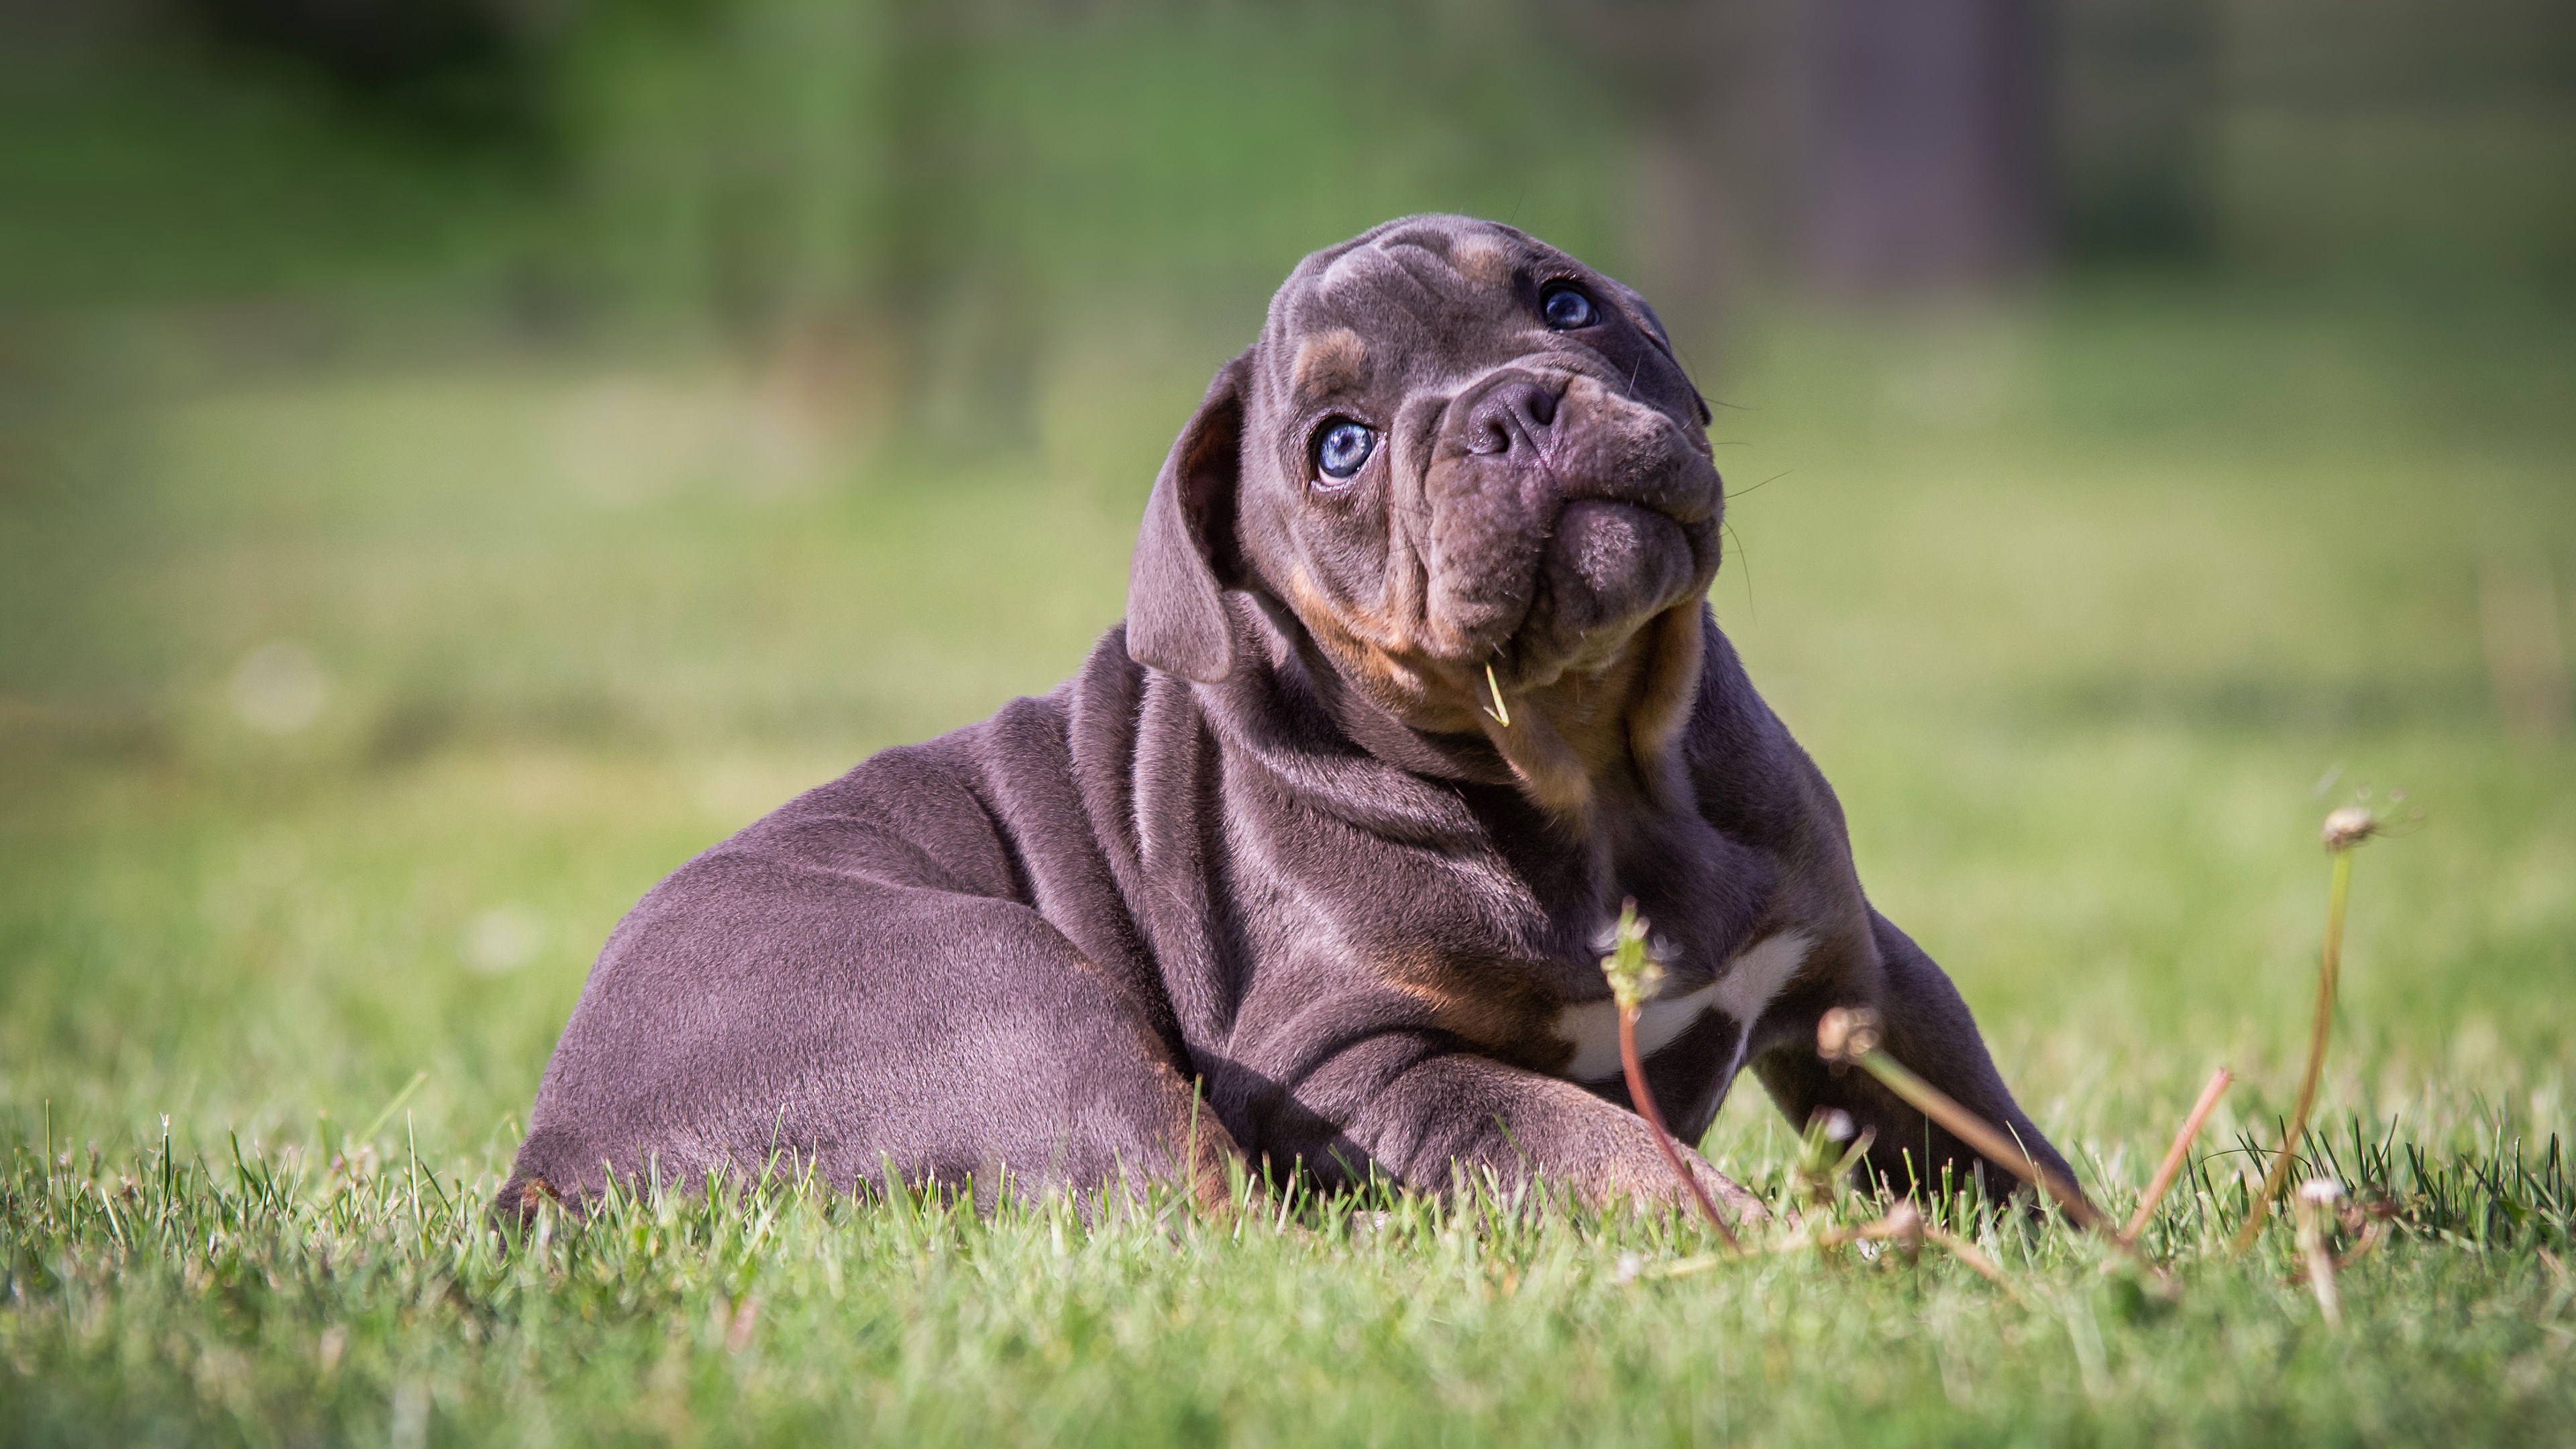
(1453, 449)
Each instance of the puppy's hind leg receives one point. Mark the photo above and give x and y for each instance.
(745, 1019)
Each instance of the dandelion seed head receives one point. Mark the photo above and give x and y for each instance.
(2348, 827)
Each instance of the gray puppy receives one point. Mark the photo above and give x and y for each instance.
(1312, 861)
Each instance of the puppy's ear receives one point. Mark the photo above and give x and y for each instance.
(1185, 554)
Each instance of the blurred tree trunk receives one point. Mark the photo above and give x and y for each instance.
(1873, 145)
(1704, 96)
(1929, 162)
(849, 240)
(947, 288)
(2136, 90)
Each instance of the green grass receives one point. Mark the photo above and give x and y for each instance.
(282, 1300)
(2077, 604)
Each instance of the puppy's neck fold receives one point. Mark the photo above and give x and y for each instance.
(1590, 742)
(1588, 748)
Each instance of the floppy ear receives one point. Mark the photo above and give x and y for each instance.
(1185, 552)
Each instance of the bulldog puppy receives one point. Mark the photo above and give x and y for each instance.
(1313, 861)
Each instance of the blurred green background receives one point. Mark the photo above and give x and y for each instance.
(458, 458)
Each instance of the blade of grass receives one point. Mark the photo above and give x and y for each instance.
(387, 1115)
(1969, 1253)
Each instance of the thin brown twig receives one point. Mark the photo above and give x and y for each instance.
(2368, 1224)
(1851, 1035)
(1906, 1227)
(1645, 1102)
(1633, 977)
(2171, 1167)
(1903, 1226)
(2368, 1239)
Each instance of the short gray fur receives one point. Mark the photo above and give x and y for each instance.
(1270, 877)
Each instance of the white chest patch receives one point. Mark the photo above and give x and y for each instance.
(1745, 985)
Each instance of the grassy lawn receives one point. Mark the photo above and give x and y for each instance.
(2091, 610)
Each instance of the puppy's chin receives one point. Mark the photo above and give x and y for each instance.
(1609, 568)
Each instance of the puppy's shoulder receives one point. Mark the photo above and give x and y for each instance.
(1752, 779)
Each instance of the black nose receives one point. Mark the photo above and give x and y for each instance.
(1516, 413)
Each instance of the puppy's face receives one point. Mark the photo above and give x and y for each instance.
(1456, 449)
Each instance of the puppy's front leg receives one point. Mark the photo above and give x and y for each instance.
(1925, 1025)
(1419, 1109)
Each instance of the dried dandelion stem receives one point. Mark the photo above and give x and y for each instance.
(2345, 829)
(1903, 1226)
(2315, 1203)
(2171, 1167)
(1906, 1227)
(1645, 1101)
(1633, 977)
(1846, 1035)
(2368, 1234)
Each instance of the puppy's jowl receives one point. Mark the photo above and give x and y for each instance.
(1418, 682)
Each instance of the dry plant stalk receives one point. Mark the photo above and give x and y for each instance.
(1850, 1035)
(1905, 1226)
(2171, 1167)
(2368, 1225)
(1633, 978)
(2315, 1207)
(2345, 830)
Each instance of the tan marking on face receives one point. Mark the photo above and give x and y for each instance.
(1592, 708)
(1482, 260)
(1499, 1008)
(1370, 651)
(1330, 361)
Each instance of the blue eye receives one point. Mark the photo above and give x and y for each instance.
(1566, 309)
(1342, 448)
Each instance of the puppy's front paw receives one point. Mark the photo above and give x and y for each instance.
(1649, 1180)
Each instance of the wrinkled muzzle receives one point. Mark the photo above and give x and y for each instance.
(1561, 516)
